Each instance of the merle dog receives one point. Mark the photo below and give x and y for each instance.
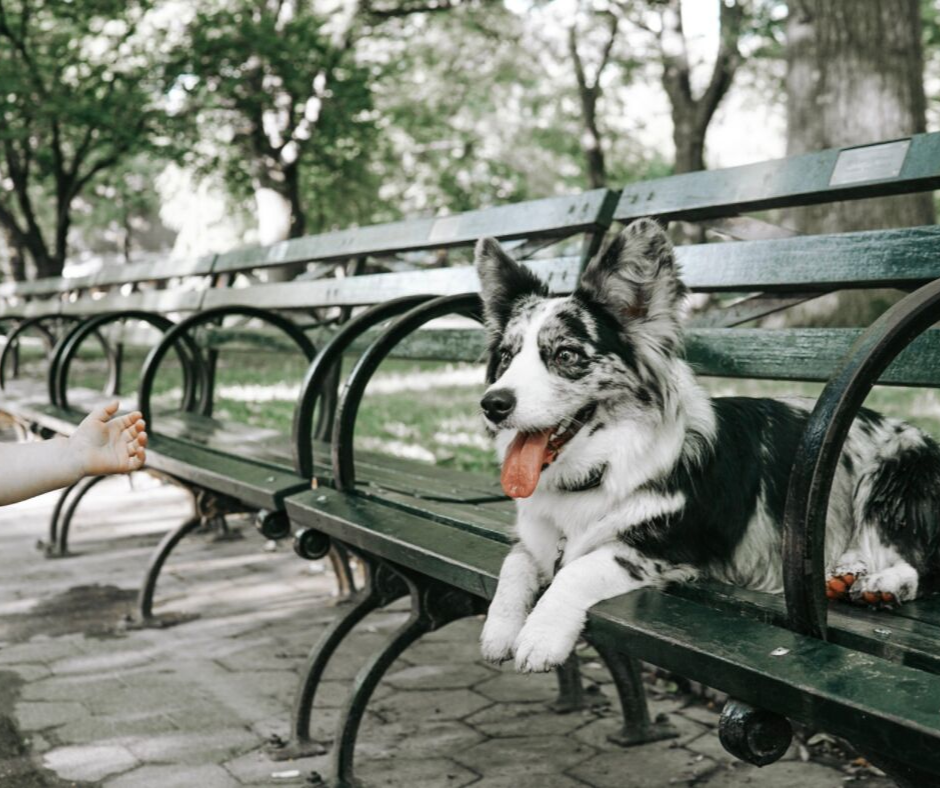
(627, 474)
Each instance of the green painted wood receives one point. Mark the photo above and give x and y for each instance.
(888, 635)
(251, 482)
(110, 275)
(159, 301)
(552, 216)
(808, 354)
(560, 273)
(922, 612)
(803, 354)
(871, 701)
(793, 181)
(880, 258)
(156, 271)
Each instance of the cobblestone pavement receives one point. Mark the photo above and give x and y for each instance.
(87, 700)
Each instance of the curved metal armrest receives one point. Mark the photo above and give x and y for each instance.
(344, 426)
(180, 332)
(318, 373)
(12, 339)
(818, 454)
(67, 348)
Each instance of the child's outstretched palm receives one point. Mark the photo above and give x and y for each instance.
(104, 446)
(98, 447)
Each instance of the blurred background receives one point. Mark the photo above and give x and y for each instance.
(136, 130)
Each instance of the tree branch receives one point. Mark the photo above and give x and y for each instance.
(726, 62)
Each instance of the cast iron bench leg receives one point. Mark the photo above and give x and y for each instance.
(169, 541)
(433, 605)
(571, 694)
(81, 490)
(49, 547)
(638, 728)
(383, 586)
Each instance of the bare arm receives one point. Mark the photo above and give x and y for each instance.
(100, 446)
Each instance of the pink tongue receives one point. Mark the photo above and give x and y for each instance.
(523, 463)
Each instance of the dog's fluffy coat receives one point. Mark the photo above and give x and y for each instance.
(661, 482)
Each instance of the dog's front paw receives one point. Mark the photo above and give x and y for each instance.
(545, 644)
(499, 635)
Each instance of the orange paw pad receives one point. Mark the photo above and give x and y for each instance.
(838, 587)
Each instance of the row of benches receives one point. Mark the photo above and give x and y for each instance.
(439, 535)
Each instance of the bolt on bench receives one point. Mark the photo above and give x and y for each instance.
(868, 677)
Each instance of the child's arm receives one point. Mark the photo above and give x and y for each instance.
(97, 448)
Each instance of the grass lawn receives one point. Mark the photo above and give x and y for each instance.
(423, 410)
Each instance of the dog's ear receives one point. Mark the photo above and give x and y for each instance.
(503, 281)
(637, 280)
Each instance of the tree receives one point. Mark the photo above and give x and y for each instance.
(589, 91)
(81, 92)
(691, 111)
(854, 76)
(274, 91)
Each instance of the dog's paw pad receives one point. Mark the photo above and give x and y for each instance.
(878, 598)
(837, 586)
(888, 588)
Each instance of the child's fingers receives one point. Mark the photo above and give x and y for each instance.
(104, 413)
(129, 419)
(130, 433)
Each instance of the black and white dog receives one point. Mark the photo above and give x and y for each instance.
(628, 474)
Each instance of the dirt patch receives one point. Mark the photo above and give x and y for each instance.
(17, 768)
(94, 610)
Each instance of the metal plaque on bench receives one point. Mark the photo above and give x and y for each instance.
(870, 163)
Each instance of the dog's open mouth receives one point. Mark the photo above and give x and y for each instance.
(531, 452)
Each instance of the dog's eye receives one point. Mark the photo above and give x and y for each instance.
(568, 355)
(505, 356)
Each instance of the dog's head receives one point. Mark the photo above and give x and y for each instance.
(553, 361)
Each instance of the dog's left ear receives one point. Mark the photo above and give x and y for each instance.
(636, 278)
(503, 282)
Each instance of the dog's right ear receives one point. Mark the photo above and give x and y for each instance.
(503, 282)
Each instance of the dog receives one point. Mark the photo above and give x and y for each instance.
(627, 474)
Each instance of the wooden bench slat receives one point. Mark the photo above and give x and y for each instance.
(808, 354)
(886, 634)
(159, 301)
(550, 216)
(788, 182)
(803, 354)
(876, 258)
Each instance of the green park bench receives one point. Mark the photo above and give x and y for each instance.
(439, 538)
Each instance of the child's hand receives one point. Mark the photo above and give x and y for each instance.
(101, 446)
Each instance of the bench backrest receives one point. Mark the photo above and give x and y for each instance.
(780, 271)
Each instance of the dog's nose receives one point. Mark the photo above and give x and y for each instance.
(498, 404)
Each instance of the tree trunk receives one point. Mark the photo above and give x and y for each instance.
(298, 217)
(689, 141)
(854, 76)
(280, 216)
(15, 268)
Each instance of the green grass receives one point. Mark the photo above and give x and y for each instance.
(439, 424)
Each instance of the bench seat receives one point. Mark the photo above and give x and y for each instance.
(862, 685)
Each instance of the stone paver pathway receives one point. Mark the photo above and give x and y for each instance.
(85, 700)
